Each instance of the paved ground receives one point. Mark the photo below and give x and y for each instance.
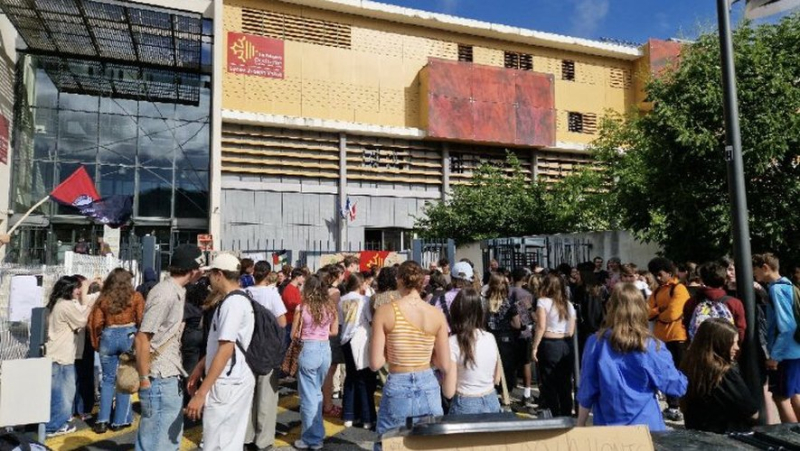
(338, 437)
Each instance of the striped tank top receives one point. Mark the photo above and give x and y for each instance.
(407, 345)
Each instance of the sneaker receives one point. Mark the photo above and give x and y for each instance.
(66, 429)
(119, 427)
(300, 444)
(673, 415)
(100, 428)
(348, 424)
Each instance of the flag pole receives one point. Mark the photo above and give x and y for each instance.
(28, 213)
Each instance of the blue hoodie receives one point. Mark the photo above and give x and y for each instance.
(780, 321)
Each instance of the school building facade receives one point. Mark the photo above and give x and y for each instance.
(330, 104)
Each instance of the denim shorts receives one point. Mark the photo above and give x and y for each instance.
(408, 395)
(464, 405)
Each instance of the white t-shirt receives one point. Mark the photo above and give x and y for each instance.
(555, 324)
(477, 379)
(353, 313)
(269, 298)
(234, 320)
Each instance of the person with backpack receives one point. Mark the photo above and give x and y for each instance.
(666, 310)
(503, 322)
(264, 415)
(224, 399)
(782, 336)
(712, 302)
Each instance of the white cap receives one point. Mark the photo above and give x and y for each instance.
(463, 270)
(225, 262)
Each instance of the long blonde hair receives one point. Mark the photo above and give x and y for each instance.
(497, 292)
(626, 320)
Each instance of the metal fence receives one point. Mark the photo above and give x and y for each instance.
(427, 252)
(548, 251)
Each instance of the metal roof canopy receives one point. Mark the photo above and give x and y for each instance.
(109, 30)
(126, 81)
(113, 48)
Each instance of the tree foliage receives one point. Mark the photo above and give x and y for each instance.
(500, 202)
(667, 168)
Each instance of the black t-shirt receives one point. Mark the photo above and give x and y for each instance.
(728, 408)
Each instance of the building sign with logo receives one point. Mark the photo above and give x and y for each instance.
(255, 55)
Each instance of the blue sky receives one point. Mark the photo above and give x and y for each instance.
(626, 20)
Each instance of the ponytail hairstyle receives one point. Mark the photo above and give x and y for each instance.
(467, 318)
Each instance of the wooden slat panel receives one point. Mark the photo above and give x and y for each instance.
(271, 171)
(277, 144)
(386, 180)
(279, 163)
(268, 153)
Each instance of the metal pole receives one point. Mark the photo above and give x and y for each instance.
(738, 197)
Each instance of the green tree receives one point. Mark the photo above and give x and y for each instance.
(666, 169)
(498, 202)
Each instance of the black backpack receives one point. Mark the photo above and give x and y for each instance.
(267, 346)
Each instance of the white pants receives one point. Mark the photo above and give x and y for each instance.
(227, 413)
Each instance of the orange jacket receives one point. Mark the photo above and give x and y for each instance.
(666, 309)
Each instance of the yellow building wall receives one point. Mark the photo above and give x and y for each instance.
(376, 80)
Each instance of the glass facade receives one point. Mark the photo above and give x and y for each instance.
(156, 151)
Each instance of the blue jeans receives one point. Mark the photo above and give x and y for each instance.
(405, 395)
(358, 402)
(313, 364)
(463, 405)
(62, 395)
(113, 342)
(161, 426)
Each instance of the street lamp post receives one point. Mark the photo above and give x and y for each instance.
(738, 198)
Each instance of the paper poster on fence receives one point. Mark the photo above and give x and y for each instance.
(25, 295)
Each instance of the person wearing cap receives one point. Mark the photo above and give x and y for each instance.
(462, 276)
(158, 354)
(225, 397)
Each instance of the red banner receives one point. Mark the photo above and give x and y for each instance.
(255, 55)
(3, 139)
(368, 259)
(77, 190)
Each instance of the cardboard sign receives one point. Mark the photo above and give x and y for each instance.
(25, 295)
(597, 438)
(3, 139)
(255, 55)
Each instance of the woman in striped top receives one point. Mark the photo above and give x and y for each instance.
(411, 336)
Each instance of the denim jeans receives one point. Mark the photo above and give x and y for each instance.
(113, 342)
(405, 395)
(161, 426)
(358, 402)
(313, 364)
(62, 395)
(463, 405)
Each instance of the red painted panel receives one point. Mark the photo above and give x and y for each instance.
(535, 90)
(494, 122)
(450, 118)
(663, 55)
(449, 79)
(492, 84)
(469, 102)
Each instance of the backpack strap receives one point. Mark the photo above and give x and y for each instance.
(446, 310)
(219, 306)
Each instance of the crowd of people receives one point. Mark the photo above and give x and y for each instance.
(435, 341)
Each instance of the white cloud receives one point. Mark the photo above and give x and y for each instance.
(588, 16)
(447, 6)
